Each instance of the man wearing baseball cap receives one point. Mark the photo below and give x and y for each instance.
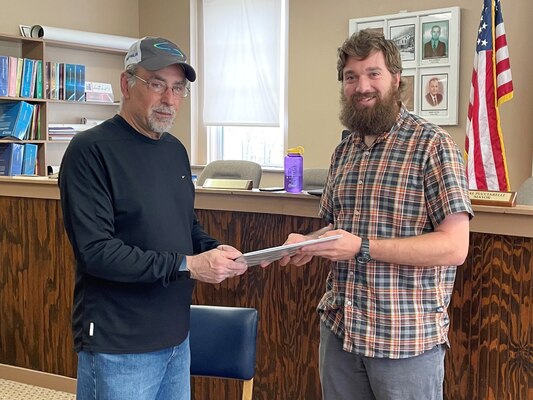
(128, 206)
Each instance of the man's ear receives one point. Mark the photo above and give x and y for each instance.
(124, 87)
(397, 79)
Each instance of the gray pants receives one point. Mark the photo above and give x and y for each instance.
(347, 376)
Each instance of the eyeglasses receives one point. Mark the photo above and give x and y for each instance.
(159, 87)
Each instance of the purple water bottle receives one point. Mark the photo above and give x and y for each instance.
(294, 167)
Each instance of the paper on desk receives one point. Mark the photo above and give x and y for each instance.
(276, 253)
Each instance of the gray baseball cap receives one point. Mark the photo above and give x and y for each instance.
(153, 53)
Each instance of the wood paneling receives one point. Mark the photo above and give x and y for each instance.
(35, 287)
(286, 297)
(491, 312)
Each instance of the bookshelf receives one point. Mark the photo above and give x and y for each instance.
(102, 65)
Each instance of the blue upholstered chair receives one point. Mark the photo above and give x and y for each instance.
(223, 343)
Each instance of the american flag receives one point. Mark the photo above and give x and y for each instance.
(491, 86)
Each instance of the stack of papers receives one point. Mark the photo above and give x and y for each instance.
(276, 253)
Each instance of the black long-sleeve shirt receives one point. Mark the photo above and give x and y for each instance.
(128, 208)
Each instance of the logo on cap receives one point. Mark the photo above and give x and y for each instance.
(165, 46)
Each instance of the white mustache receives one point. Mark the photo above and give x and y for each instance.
(166, 110)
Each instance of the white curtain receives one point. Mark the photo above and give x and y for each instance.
(241, 62)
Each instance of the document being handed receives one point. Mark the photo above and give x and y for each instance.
(276, 253)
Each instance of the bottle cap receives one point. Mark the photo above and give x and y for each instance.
(296, 150)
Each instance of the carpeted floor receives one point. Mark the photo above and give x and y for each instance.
(10, 390)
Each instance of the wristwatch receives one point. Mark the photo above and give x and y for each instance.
(364, 252)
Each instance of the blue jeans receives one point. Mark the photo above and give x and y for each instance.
(350, 376)
(158, 375)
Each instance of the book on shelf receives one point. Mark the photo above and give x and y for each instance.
(34, 130)
(47, 79)
(4, 75)
(54, 83)
(12, 81)
(15, 118)
(11, 155)
(62, 138)
(33, 79)
(66, 131)
(99, 91)
(38, 93)
(29, 159)
(80, 82)
(61, 81)
(70, 82)
(27, 75)
(53, 80)
(20, 68)
(15, 73)
(38, 109)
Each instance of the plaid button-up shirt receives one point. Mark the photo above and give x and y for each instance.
(404, 185)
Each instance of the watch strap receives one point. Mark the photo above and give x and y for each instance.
(364, 252)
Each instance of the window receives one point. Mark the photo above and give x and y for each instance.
(241, 95)
(264, 145)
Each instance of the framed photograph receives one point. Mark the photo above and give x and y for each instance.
(25, 30)
(434, 93)
(408, 93)
(435, 41)
(365, 23)
(437, 95)
(428, 41)
(403, 33)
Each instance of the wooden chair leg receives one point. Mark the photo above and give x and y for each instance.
(247, 389)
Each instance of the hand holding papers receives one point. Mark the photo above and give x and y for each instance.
(276, 253)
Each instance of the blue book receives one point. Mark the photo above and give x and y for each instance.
(70, 82)
(27, 78)
(38, 92)
(29, 160)
(80, 82)
(15, 118)
(4, 75)
(11, 159)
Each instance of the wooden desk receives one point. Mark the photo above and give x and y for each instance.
(491, 310)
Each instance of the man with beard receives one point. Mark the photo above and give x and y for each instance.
(127, 199)
(396, 192)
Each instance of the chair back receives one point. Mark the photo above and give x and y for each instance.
(232, 169)
(223, 343)
(524, 195)
(315, 178)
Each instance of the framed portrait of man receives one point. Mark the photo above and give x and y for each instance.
(435, 40)
(434, 92)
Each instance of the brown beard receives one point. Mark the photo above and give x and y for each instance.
(370, 120)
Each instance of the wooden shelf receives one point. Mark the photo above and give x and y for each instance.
(103, 65)
(89, 103)
(27, 99)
